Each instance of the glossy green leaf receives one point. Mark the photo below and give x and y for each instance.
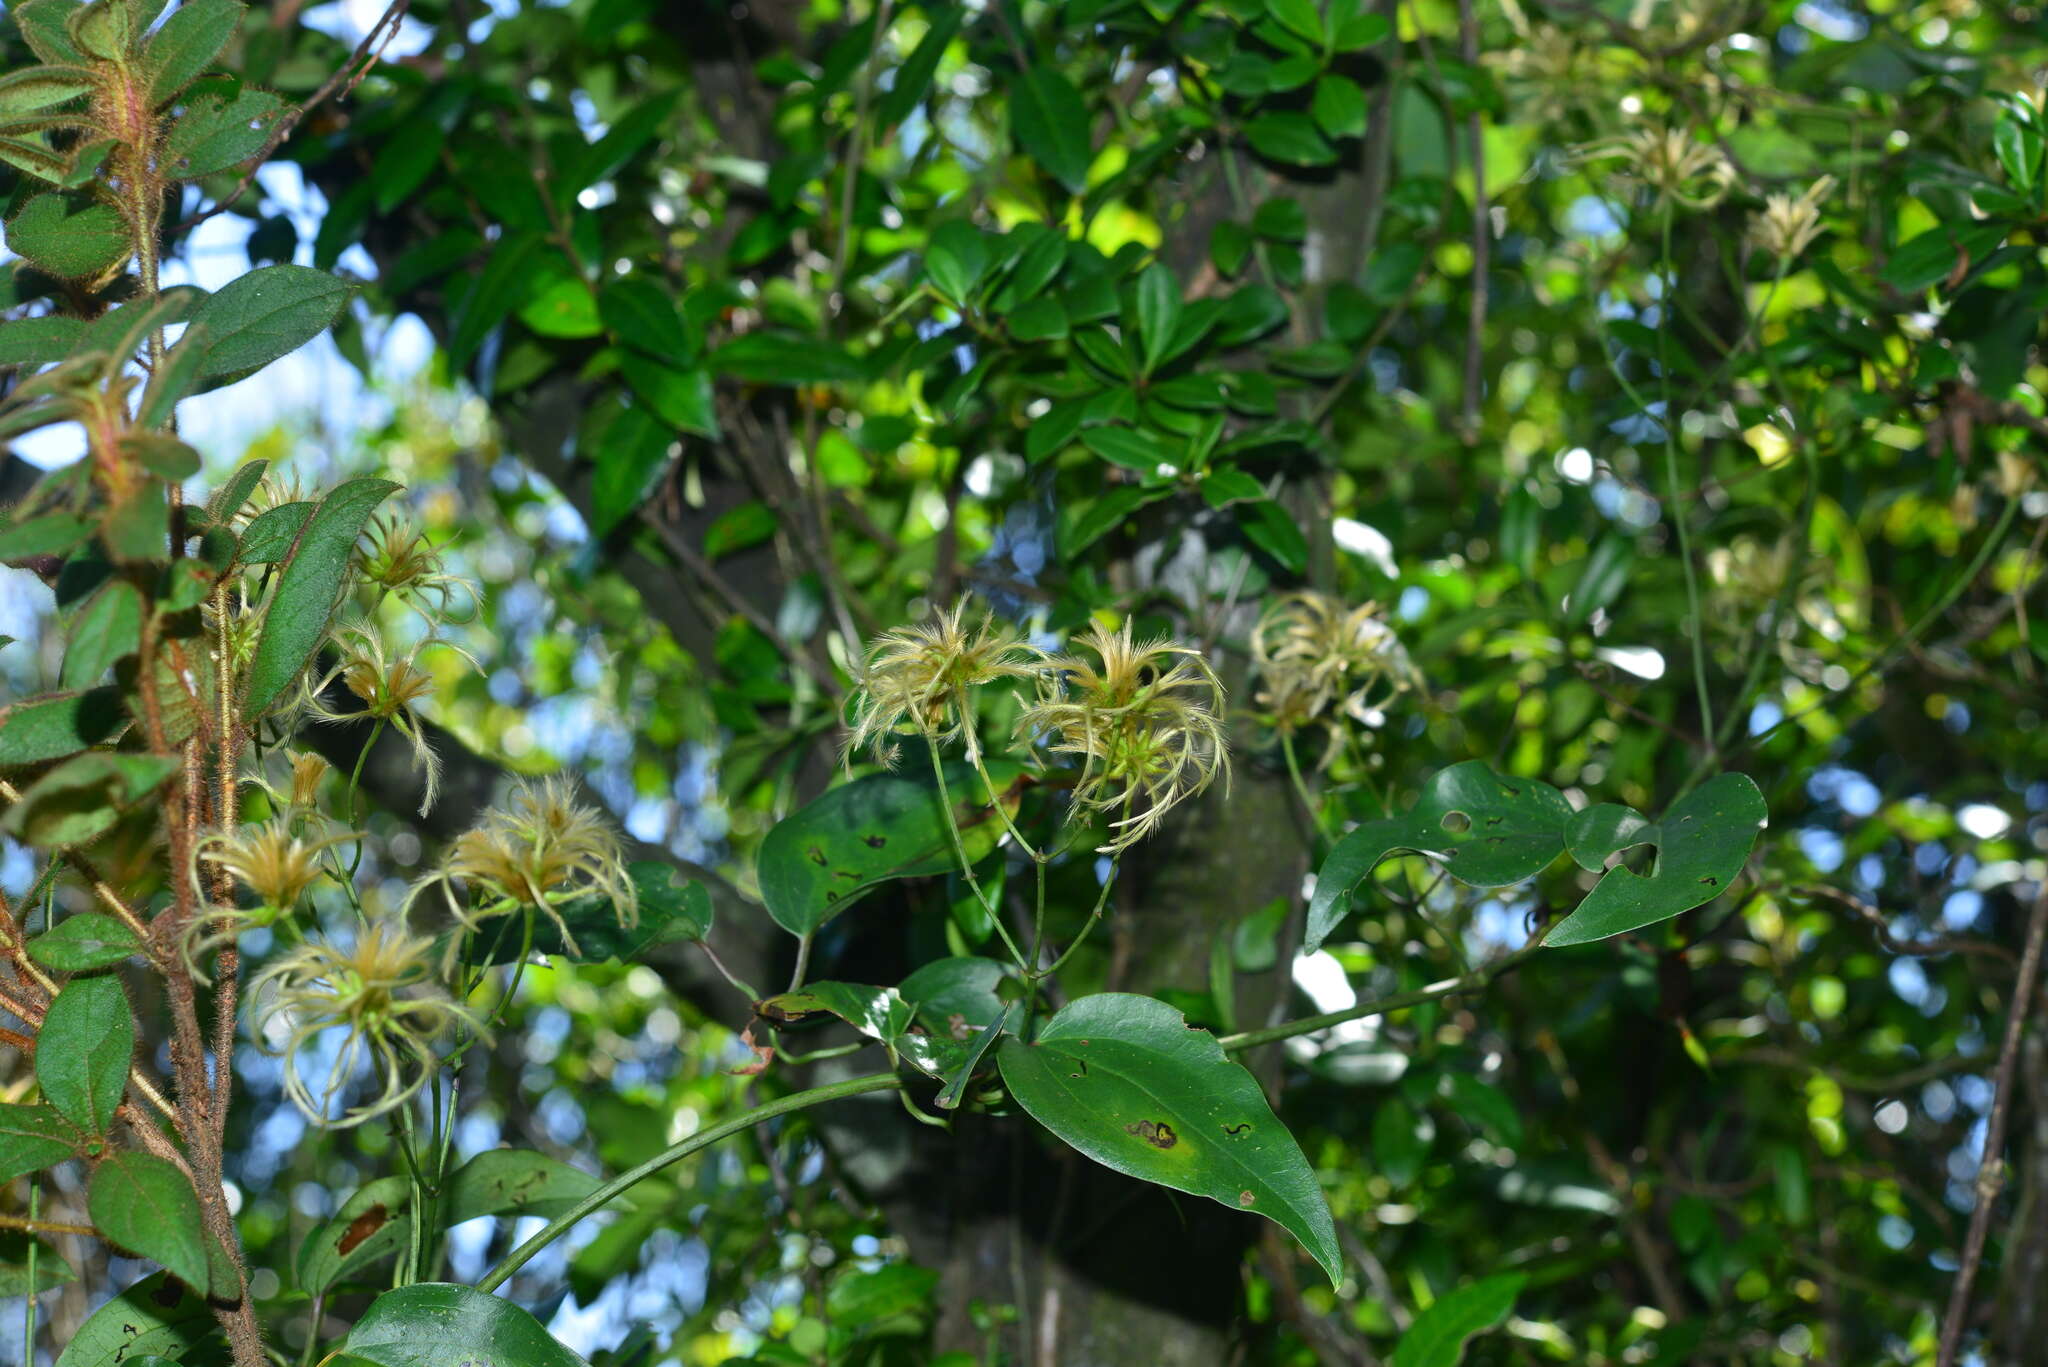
(1038, 320)
(308, 588)
(779, 358)
(51, 1271)
(217, 133)
(84, 1050)
(507, 277)
(256, 318)
(820, 860)
(186, 44)
(514, 1181)
(1486, 830)
(1702, 844)
(880, 1013)
(373, 1223)
(642, 314)
(1050, 124)
(1159, 311)
(957, 259)
(433, 1324)
(953, 994)
(1339, 107)
(85, 941)
(1269, 527)
(70, 235)
(1439, 1334)
(955, 1090)
(862, 1298)
(631, 456)
(33, 1138)
(914, 77)
(1289, 138)
(564, 308)
(739, 527)
(158, 1315)
(143, 1204)
(1128, 1082)
(57, 724)
(683, 399)
(672, 910)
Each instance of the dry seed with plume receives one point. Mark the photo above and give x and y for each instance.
(920, 680)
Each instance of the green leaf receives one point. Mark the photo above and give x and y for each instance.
(642, 314)
(432, 1324)
(887, 1293)
(1357, 30)
(33, 1138)
(43, 87)
(1144, 452)
(256, 318)
(185, 46)
(1273, 531)
(372, 1223)
(1438, 1336)
(1158, 313)
(51, 1272)
(308, 588)
(565, 308)
(506, 280)
(821, 859)
(158, 1315)
(235, 490)
(145, 1205)
(272, 533)
(83, 942)
(39, 341)
(217, 133)
(1299, 17)
(1290, 138)
(1339, 107)
(631, 131)
(73, 236)
(179, 373)
(82, 798)
(671, 911)
(1226, 484)
(630, 458)
(957, 259)
(914, 77)
(51, 534)
(1486, 830)
(1129, 1083)
(1940, 252)
(83, 1053)
(42, 23)
(1702, 844)
(1038, 320)
(57, 724)
(103, 28)
(953, 994)
(1601, 578)
(738, 527)
(1050, 124)
(514, 1181)
(950, 1095)
(683, 399)
(107, 630)
(783, 358)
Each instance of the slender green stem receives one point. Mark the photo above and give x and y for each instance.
(1308, 802)
(995, 800)
(803, 961)
(675, 1153)
(995, 914)
(1666, 420)
(1094, 915)
(1380, 1006)
(28, 1295)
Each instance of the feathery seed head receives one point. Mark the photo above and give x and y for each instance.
(1316, 656)
(920, 680)
(1788, 224)
(1669, 161)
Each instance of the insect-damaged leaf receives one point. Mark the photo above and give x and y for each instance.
(371, 1224)
(159, 1315)
(1486, 830)
(1702, 844)
(818, 861)
(1128, 1082)
(509, 1181)
(878, 1012)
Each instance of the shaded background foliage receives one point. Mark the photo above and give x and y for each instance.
(740, 351)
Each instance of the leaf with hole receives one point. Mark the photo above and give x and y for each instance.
(1702, 844)
(1127, 1081)
(1486, 830)
(308, 589)
(1439, 1334)
(85, 941)
(433, 1324)
(143, 1204)
(821, 859)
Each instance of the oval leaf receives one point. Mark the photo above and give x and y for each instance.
(84, 942)
(433, 1324)
(158, 1315)
(33, 1138)
(268, 313)
(83, 1052)
(371, 1224)
(1438, 1336)
(1128, 1082)
(145, 1205)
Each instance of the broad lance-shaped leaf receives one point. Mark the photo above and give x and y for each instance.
(1128, 1082)
(83, 942)
(308, 588)
(1702, 844)
(1486, 830)
(1439, 1334)
(83, 1052)
(258, 317)
(432, 1324)
(820, 860)
(143, 1204)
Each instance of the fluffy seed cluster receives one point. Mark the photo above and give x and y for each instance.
(274, 863)
(1670, 163)
(920, 681)
(390, 688)
(1318, 658)
(1788, 224)
(541, 850)
(1143, 719)
(380, 991)
(397, 558)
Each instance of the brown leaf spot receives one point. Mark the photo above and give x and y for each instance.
(816, 856)
(361, 1228)
(874, 842)
(1238, 1131)
(1157, 1133)
(1245, 1198)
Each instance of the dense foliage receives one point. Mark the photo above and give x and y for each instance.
(1085, 682)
